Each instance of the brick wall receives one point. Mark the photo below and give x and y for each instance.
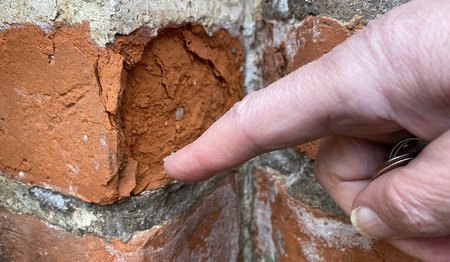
(94, 95)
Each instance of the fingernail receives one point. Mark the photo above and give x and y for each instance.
(167, 157)
(368, 223)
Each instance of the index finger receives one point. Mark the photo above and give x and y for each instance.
(335, 92)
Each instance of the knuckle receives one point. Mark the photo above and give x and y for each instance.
(237, 114)
(240, 116)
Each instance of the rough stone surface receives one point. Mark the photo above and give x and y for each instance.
(116, 221)
(300, 182)
(338, 9)
(208, 232)
(285, 229)
(61, 123)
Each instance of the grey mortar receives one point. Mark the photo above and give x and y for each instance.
(116, 221)
(300, 181)
(338, 9)
(108, 18)
(246, 199)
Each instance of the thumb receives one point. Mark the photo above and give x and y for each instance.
(410, 201)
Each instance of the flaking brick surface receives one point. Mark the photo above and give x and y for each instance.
(184, 82)
(95, 122)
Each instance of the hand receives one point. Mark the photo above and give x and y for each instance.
(386, 82)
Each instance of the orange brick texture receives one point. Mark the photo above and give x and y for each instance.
(96, 123)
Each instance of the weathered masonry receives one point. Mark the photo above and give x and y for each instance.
(94, 95)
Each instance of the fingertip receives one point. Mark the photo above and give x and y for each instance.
(183, 167)
(173, 169)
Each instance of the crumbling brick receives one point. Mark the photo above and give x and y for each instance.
(96, 123)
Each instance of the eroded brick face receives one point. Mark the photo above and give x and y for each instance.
(96, 123)
(183, 83)
(285, 229)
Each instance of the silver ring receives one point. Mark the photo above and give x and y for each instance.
(401, 154)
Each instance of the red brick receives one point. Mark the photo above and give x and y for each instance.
(289, 230)
(96, 123)
(54, 130)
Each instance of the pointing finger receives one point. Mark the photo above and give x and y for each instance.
(301, 107)
(332, 94)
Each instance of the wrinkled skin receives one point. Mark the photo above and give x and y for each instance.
(388, 81)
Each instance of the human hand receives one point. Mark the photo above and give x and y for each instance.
(386, 82)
